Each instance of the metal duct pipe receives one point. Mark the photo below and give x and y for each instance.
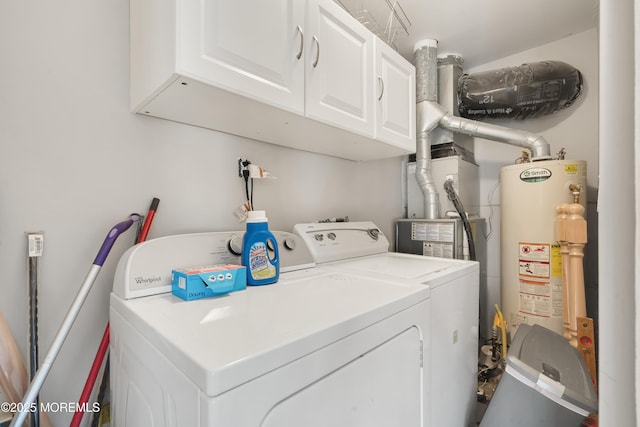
(430, 114)
(538, 146)
(425, 56)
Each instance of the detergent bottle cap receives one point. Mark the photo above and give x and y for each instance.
(256, 216)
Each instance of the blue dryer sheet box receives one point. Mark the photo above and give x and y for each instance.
(203, 282)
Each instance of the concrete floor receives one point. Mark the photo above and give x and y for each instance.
(487, 384)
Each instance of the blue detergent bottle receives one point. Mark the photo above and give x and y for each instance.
(260, 251)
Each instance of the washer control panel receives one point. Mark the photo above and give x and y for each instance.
(342, 240)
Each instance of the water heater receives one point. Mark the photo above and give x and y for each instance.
(531, 264)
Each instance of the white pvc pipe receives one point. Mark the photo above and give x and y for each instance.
(619, 319)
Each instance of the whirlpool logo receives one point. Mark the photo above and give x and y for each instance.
(535, 175)
(147, 281)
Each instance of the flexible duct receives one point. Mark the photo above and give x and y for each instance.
(425, 56)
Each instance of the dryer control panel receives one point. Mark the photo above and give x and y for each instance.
(145, 269)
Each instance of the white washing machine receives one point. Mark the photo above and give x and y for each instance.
(454, 314)
(318, 348)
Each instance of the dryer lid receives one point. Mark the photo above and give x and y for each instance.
(220, 343)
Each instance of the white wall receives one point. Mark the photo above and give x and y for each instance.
(76, 162)
(575, 128)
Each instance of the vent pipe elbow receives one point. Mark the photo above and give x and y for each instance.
(540, 149)
(538, 146)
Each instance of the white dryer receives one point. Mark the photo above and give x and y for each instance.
(361, 248)
(317, 348)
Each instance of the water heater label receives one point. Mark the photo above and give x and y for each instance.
(556, 260)
(571, 169)
(535, 175)
(534, 252)
(535, 298)
(534, 269)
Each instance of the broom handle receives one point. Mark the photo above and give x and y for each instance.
(65, 327)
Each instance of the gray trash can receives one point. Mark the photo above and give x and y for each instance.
(546, 383)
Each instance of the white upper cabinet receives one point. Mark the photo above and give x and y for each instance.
(339, 64)
(254, 48)
(297, 73)
(395, 80)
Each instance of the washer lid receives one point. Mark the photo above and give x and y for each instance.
(220, 343)
(409, 268)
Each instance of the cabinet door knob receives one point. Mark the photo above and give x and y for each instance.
(317, 43)
(381, 82)
(299, 55)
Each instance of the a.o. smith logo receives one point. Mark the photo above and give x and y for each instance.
(535, 175)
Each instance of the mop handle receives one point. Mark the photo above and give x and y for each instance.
(67, 323)
(111, 238)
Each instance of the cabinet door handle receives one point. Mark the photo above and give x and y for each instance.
(317, 43)
(381, 87)
(299, 55)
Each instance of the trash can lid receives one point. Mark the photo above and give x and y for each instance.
(547, 362)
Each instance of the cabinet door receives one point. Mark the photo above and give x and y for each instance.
(395, 82)
(339, 64)
(253, 48)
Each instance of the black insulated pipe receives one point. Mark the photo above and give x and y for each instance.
(522, 92)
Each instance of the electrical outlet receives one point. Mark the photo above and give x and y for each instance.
(243, 167)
